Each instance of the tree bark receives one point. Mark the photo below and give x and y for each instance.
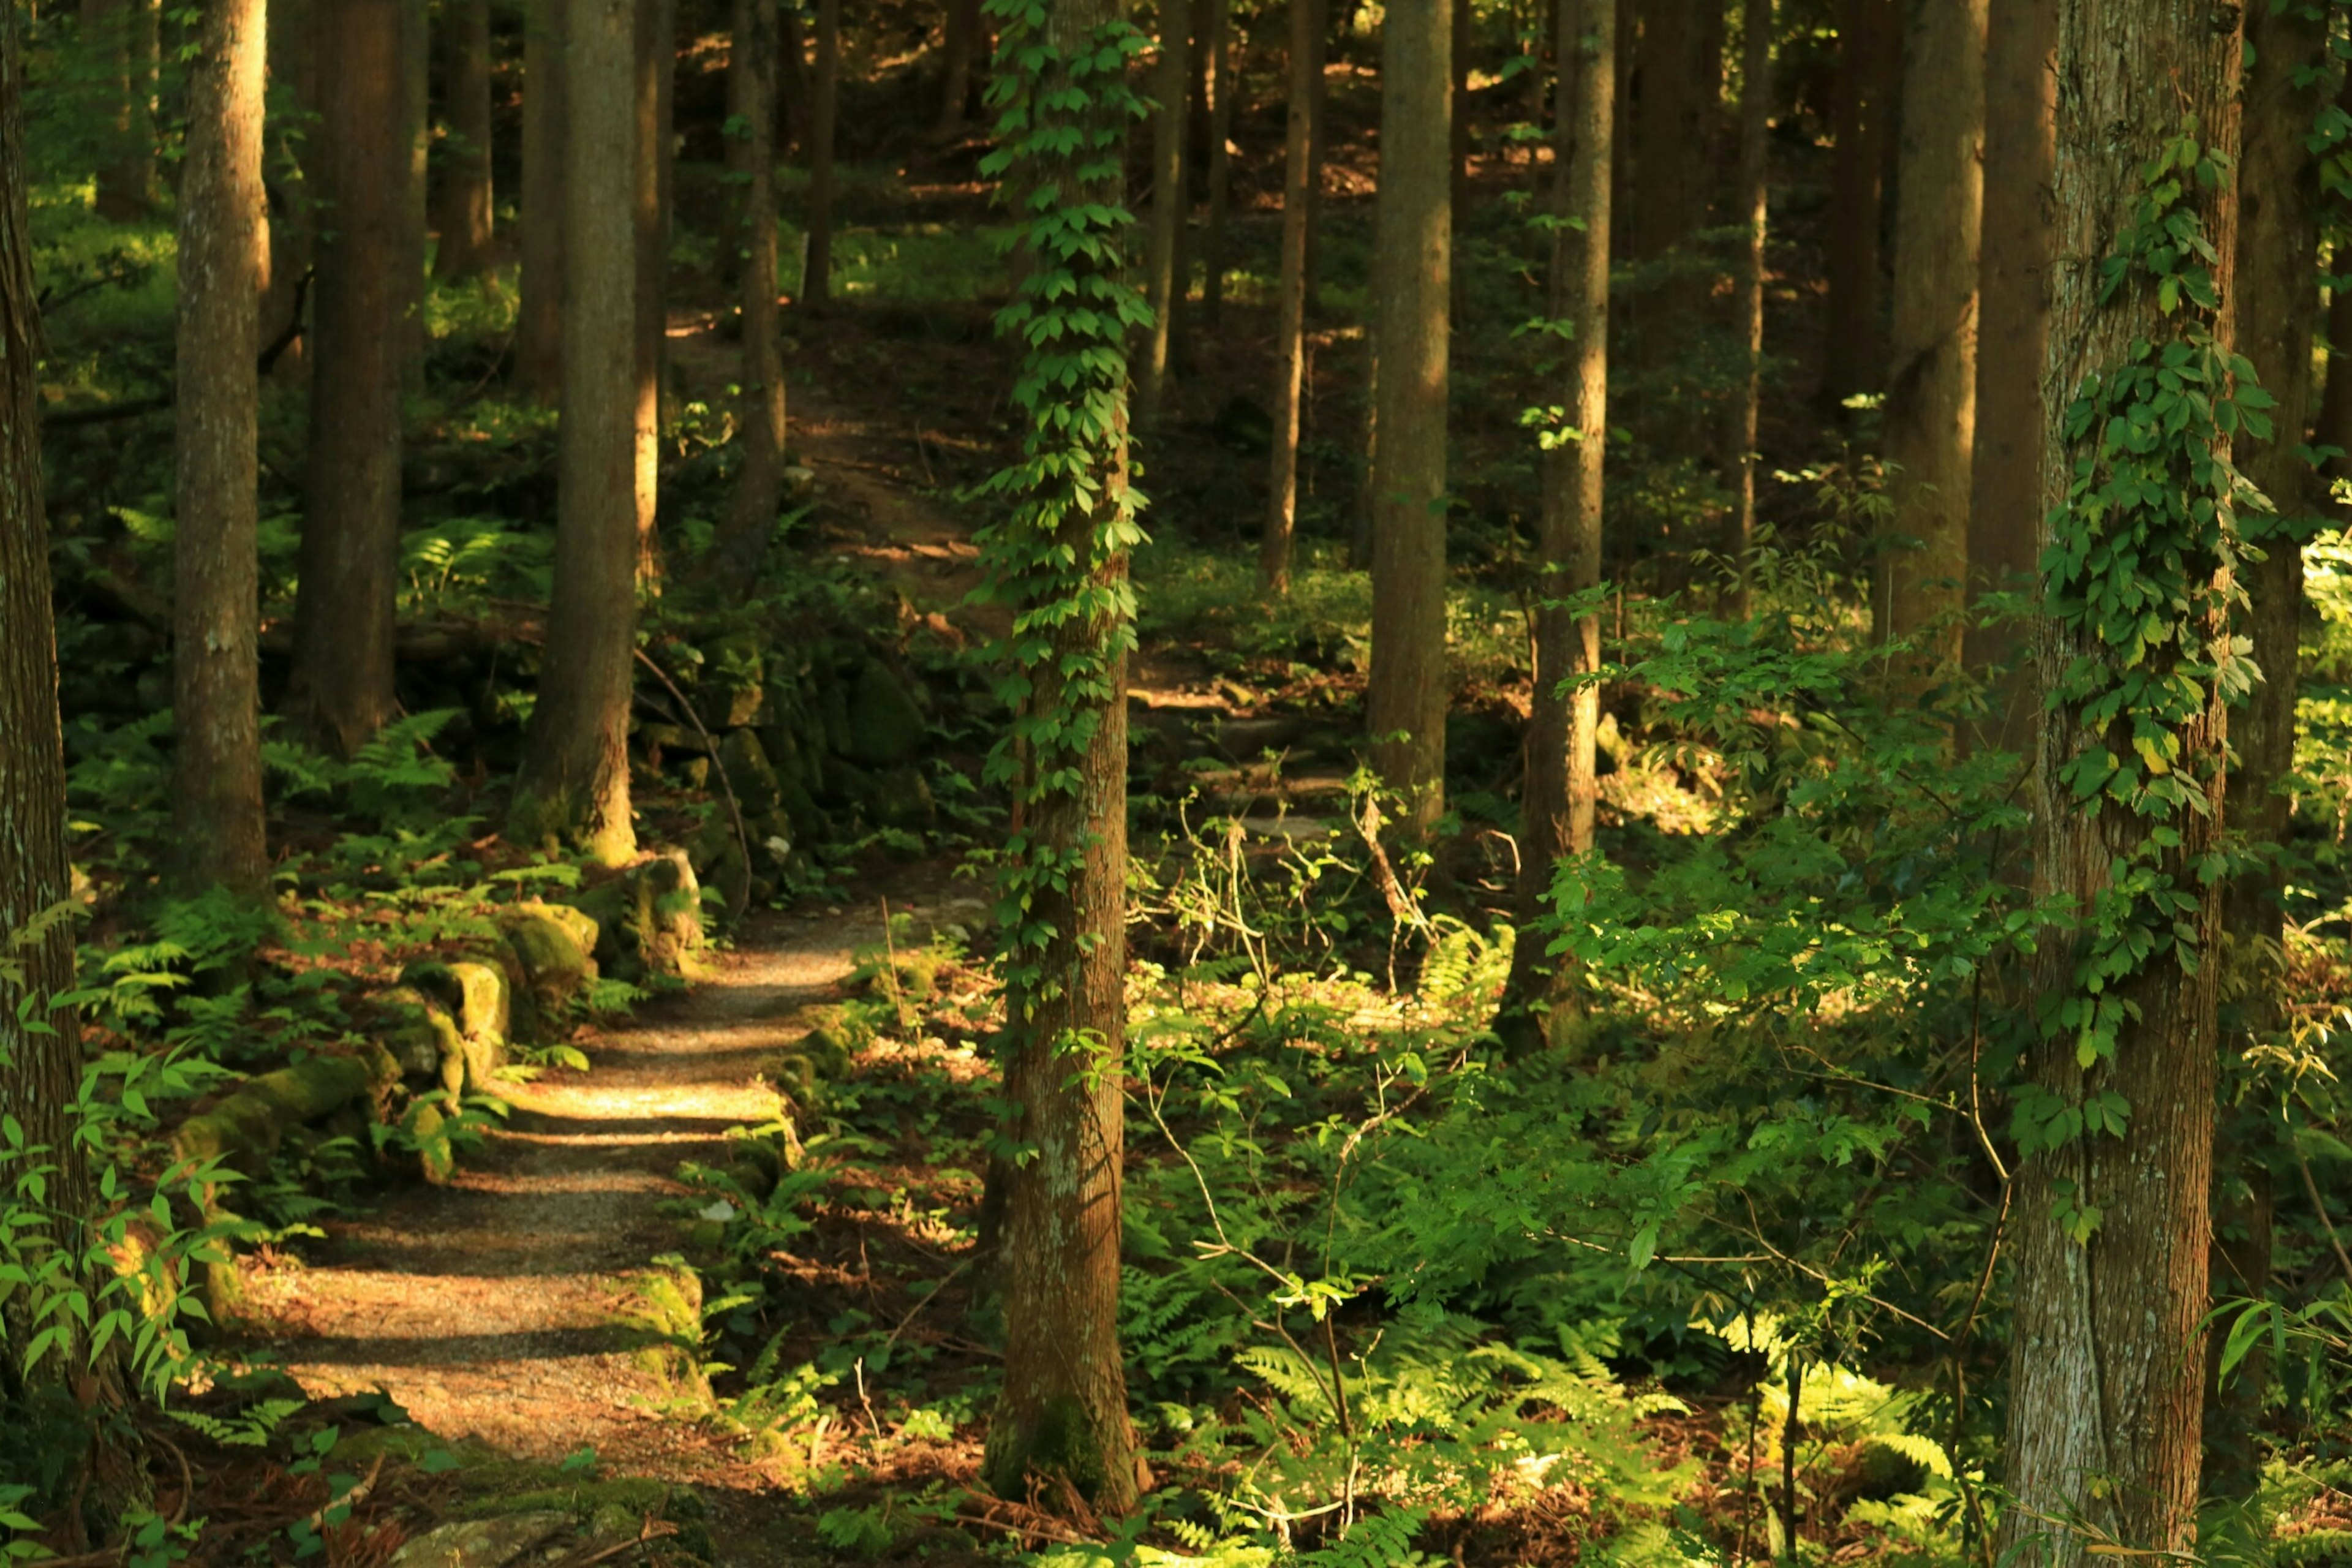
(1931, 382)
(342, 683)
(1562, 788)
(656, 69)
(224, 241)
(1164, 280)
(120, 33)
(1754, 208)
(2107, 1369)
(538, 328)
(291, 154)
(1310, 31)
(2012, 315)
(417, 233)
(1673, 124)
(1411, 276)
(467, 197)
(961, 45)
(824, 127)
(1865, 91)
(1457, 152)
(2333, 426)
(1216, 30)
(762, 485)
(574, 782)
(2278, 309)
(1061, 1421)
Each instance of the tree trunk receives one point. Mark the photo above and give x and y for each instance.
(2333, 426)
(216, 686)
(2278, 308)
(2012, 315)
(1164, 279)
(1921, 573)
(656, 64)
(290, 156)
(1061, 1421)
(1754, 207)
(762, 485)
(416, 237)
(117, 33)
(539, 327)
(1457, 148)
(824, 126)
(792, 89)
(1866, 89)
(1557, 800)
(1309, 31)
(1216, 30)
(343, 685)
(467, 205)
(40, 1069)
(1673, 124)
(962, 45)
(1411, 276)
(574, 782)
(2107, 1369)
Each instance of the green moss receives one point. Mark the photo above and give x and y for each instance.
(1060, 1440)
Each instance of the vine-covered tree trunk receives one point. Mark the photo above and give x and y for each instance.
(466, 200)
(1311, 29)
(343, 623)
(1931, 380)
(1216, 30)
(1753, 207)
(1060, 563)
(2111, 1214)
(1412, 280)
(1556, 803)
(825, 130)
(539, 326)
(1164, 269)
(574, 782)
(1852, 360)
(762, 485)
(224, 249)
(2012, 314)
(2277, 310)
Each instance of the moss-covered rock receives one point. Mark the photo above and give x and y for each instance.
(758, 791)
(420, 1035)
(666, 914)
(885, 722)
(482, 1542)
(902, 799)
(664, 1303)
(554, 946)
(733, 688)
(477, 1002)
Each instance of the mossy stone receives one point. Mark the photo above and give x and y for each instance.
(752, 776)
(902, 799)
(554, 944)
(885, 723)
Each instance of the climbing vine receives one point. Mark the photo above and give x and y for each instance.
(2140, 576)
(1057, 555)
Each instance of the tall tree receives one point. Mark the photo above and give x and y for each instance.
(120, 33)
(2111, 1213)
(753, 57)
(2278, 310)
(1558, 797)
(2012, 315)
(466, 192)
(290, 154)
(960, 43)
(655, 76)
(539, 327)
(1674, 134)
(1060, 563)
(2333, 426)
(415, 234)
(1164, 269)
(1216, 31)
(1931, 380)
(1754, 210)
(344, 622)
(1412, 280)
(575, 781)
(824, 129)
(1311, 30)
(1868, 64)
(223, 258)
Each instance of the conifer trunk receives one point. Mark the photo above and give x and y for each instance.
(1754, 211)
(2107, 1369)
(960, 45)
(1560, 792)
(1309, 31)
(574, 782)
(656, 64)
(224, 241)
(1865, 93)
(417, 233)
(1217, 45)
(825, 130)
(1163, 282)
(1673, 123)
(467, 202)
(538, 328)
(1921, 574)
(343, 686)
(120, 34)
(762, 485)
(2333, 427)
(1412, 280)
(291, 156)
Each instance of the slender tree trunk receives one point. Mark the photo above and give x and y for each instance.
(342, 687)
(657, 63)
(40, 1068)
(1217, 45)
(1865, 91)
(1458, 142)
(2107, 1369)
(2012, 312)
(1061, 1421)
(224, 248)
(1410, 287)
(963, 44)
(116, 31)
(761, 484)
(1931, 399)
(467, 205)
(538, 328)
(816, 288)
(2333, 427)
(290, 155)
(1558, 797)
(2278, 309)
(415, 238)
(574, 782)
(1673, 122)
(792, 87)
(1164, 280)
(1309, 31)
(1754, 206)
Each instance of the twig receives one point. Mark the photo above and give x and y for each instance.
(349, 1499)
(652, 1530)
(734, 807)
